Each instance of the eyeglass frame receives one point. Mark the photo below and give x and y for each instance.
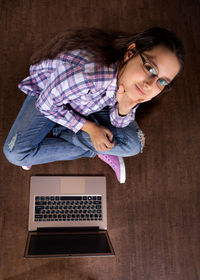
(160, 86)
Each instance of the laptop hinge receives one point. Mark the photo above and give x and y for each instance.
(68, 229)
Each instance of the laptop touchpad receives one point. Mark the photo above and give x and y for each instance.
(72, 185)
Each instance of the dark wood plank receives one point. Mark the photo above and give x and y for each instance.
(153, 219)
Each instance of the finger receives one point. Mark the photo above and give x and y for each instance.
(107, 143)
(105, 148)
(110, 146)
(101, 148)
(109, 135)
(98, 148)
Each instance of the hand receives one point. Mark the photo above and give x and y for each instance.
(125, 102)
(101, 136)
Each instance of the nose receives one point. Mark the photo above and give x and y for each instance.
(150, 82)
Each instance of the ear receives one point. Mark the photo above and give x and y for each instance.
(129, 52)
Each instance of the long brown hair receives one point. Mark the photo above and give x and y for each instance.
(110, 46)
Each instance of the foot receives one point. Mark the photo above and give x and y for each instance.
(28, 167)
(117, 164)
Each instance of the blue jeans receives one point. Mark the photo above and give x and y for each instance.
(29, 141)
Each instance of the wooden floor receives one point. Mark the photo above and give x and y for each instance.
(153, 219)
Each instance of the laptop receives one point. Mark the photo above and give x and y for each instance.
(67, 217)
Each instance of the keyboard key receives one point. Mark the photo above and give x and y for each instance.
(39, 203)
(71, 197)
(39, 207)
(38, 216)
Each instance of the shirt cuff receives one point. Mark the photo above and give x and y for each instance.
(121, 121)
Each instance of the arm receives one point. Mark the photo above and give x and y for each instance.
(61, 89)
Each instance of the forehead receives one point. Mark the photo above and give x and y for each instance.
(165, 60)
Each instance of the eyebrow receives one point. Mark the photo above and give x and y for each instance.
(152, 60)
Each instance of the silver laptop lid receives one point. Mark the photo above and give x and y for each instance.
(45, 188)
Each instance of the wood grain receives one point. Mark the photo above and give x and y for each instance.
(153, 219)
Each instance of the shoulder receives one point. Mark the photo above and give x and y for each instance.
(77, 57)
(90, 61)
(99, 74)
(90, 67)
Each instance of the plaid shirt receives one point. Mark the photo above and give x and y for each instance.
(78, 79)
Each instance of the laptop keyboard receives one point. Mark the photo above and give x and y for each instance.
(68, 208)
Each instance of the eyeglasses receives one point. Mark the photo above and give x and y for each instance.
(150, 70)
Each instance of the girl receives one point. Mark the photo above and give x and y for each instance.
(83, 91)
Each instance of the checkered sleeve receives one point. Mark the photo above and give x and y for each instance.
(119, 121)
(64, 85)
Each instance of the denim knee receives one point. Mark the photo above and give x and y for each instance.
(131, 144)
(12, 155)
(136, 143)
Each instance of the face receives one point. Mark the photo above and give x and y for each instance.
(144, 77)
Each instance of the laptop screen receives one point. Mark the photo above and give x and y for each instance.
(57, 244)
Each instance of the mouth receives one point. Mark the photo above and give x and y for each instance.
(139, 90)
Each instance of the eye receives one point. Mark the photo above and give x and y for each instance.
(162, 82)
(150, 69)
